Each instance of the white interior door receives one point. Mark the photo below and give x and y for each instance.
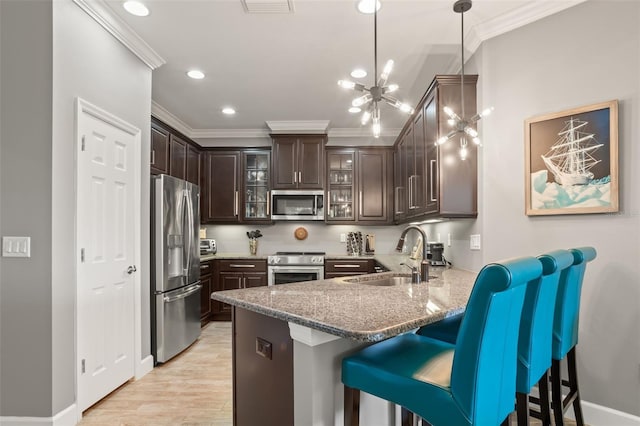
(106, 228)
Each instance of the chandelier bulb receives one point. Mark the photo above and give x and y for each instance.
(471, 132)
(366, 116)
(346, 84)
(391, 88)
(376, 130)
(388, 67)
(451, 122)
(486, 112)
(476, 141)
(463, 153)
(442, 140)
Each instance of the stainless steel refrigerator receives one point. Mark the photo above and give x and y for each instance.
(175, 265)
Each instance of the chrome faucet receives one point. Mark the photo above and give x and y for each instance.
(424, 264)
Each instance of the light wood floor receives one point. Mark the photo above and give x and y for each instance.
(193, 389)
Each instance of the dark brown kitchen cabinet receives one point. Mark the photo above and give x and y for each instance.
(206, 280)
(231, 274)
(159, 149)
(359, 181)
(373, 183)
(340, 185)
(430, 180)
(193, 165)
(256, 186)
(220, 200)
(178, 157)
(335, 268)
(298, 161)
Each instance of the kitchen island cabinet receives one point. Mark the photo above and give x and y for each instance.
(328, 319)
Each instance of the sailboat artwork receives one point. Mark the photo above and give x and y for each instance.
(572, 161)
(570, 158)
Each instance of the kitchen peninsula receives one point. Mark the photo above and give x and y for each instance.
(289, 339)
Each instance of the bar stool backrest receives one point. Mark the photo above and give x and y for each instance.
(536, 327)
(567, 308)
(483, 376)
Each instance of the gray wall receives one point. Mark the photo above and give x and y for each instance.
(25, 207)
(52, 52)
(587, 54)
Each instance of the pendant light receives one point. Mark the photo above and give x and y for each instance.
(378, 92)
(461, 125)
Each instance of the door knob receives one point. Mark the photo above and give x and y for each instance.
(131, 269)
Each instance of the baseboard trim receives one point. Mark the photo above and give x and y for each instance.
(598, 415)
(67, 417)
(144, 367)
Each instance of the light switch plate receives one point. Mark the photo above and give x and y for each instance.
(474, 242)
(16, 246)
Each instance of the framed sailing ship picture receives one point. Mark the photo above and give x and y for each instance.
(571, 161)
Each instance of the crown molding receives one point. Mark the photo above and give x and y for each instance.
(159, 112)
(515, 19)
(100, 11)
(229, 133)
(298, 126)
(361, 132)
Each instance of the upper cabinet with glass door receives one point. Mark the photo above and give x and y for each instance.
(340, 184)
(256, 186)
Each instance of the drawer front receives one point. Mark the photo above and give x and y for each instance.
(242, 265)
(361, 266)
(206, 268)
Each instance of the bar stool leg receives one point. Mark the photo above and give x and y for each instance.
(573, 386)
(545, 409)
(407, 417)
(351, 406)
(556, 393)
(522, 408)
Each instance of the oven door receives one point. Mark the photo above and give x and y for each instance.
(294, 274)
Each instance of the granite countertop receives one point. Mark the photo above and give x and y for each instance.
(356, 310)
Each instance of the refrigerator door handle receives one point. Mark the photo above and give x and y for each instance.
(189, 204)
(187, 292)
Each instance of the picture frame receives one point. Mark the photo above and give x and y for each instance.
(571, 161)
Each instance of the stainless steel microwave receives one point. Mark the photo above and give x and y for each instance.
(292, 204)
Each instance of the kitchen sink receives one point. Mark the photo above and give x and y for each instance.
(383, 281)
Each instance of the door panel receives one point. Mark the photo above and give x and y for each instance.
(105, 236)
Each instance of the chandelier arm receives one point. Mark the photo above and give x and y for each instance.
(375, 40)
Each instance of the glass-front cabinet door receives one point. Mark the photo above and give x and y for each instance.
(256, 186)
(340, 164)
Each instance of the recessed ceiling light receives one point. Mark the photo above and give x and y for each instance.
(366, 6)
(135, 8)
(354, 110)
(196, 74)
(228, 111)
(358, 73)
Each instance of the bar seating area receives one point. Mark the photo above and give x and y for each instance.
(520, 321)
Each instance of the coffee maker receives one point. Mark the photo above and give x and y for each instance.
(436, 251)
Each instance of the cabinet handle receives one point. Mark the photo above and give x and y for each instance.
(347, 266)
(153, 156)
(268, 203)
(411, 205)
(299, 177)
(244, 282)
(360, 203)
(237, 265)
(431, 164)
(204, 267)
(235, 204)
(295, 177)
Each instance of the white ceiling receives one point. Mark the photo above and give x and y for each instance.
(285, 66)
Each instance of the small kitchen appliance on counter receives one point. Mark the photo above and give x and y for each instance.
(208, 246)
(437, 254)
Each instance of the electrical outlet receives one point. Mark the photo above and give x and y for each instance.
(474, 242)
(343, 238)
(449, 240)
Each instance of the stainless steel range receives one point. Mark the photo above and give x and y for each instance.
(292, 267)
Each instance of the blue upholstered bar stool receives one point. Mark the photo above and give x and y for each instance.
(565, 336)
(534, 341)
(471, 382)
